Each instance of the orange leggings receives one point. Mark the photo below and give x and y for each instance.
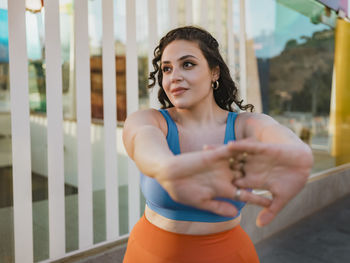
(150, 244)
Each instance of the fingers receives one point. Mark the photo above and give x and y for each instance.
(222, 208)
(218, 152)
(250, 182)
(232, 192)
(233, 148)
(248, 197)
(269, 213)
(238, 150)
(248, 146)
(224, 189)
(237, 175)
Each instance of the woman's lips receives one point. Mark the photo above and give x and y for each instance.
(178, 91)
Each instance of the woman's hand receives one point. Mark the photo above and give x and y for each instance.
(198, 178)
(282, 169)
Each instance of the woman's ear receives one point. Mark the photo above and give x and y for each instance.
(215, 72)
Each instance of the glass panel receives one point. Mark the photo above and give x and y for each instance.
(67, 52)
(6, 193)
(293, 58)
(120, 60)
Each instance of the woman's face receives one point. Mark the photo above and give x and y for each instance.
(187, 77)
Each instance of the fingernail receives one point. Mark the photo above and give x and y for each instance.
(264, 219)
(239, 182)
(234, 212)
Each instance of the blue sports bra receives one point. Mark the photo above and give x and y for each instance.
(160, 201)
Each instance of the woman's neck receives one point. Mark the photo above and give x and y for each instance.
(203, 115)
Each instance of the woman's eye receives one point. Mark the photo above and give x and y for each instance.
(166, 69)
(188, 64)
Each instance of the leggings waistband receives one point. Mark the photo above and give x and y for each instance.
(149, 243)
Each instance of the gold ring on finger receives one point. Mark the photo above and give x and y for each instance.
(231, 162)
(244, 157)
(241, 168)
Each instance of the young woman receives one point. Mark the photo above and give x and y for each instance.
(199, 159)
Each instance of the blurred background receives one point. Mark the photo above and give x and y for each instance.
(282, 54)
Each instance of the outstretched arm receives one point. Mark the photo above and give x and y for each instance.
(144, 137)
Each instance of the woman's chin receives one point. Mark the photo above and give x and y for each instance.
(180, 104)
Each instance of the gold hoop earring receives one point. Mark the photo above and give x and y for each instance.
(215, 85)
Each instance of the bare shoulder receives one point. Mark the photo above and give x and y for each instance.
(247, 121)
(148, 117)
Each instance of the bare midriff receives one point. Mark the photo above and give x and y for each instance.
(188, 227)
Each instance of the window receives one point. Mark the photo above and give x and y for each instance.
(293, 60)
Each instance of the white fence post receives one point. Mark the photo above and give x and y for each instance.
(132, 102)
(242, 52)
(82, 64)
(152, 43)
(54, 129)
(110, 124)
(21, 156)
(231, 42)
(189, 12)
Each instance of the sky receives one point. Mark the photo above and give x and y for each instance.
(271, 25)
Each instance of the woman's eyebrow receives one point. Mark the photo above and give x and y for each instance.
(182, 58)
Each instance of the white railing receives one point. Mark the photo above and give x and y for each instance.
(132, 103)
(109, 106)
(20, 115)
(54, 130)
(21, 164)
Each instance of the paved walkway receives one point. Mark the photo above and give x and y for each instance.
(321, 237)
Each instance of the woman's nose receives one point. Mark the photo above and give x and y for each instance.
(176, 75)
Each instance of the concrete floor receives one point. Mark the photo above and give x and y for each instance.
(321, 237)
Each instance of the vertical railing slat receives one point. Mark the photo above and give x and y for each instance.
(82, 63)
(109, 117)
(189, 12)
(20, 128)
(173, 14)
(242, 52)
(204, 14)
(152, 43)
(231, 40)
(132, 102)
(54, 129)
(218, 21)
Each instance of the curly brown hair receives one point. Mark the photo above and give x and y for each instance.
(226, 94)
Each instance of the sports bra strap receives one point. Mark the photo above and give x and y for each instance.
(230, 127)
(173, 134)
